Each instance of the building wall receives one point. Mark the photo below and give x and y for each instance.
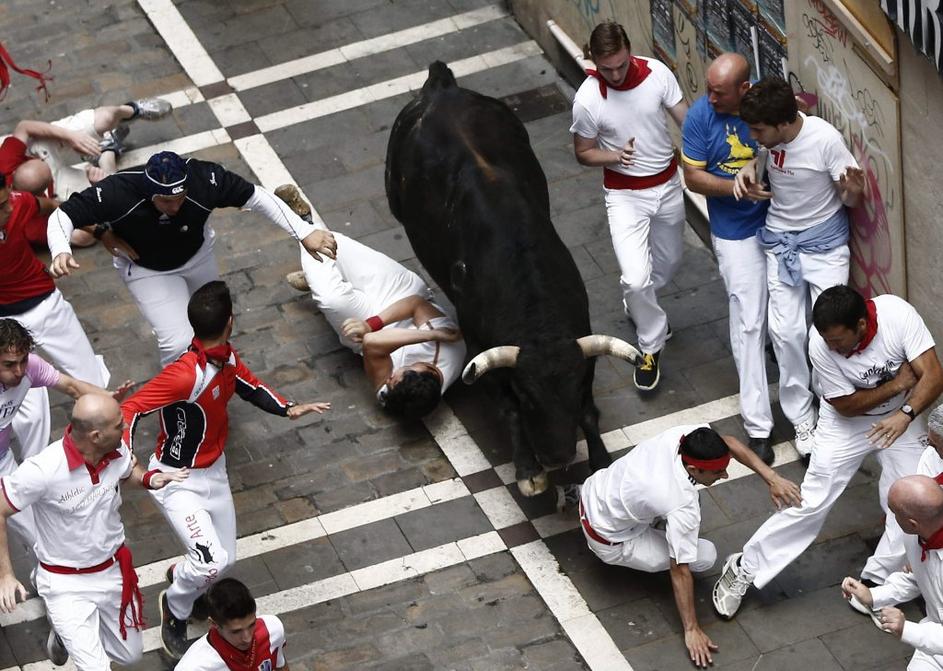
(921, 112)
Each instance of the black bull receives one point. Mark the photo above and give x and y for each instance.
(463, 180)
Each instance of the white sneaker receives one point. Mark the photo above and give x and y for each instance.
(875, 615)
(805, 435)
(732, 586)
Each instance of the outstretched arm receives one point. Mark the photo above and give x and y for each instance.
(698, 643)
(314, 237)
(783, 492)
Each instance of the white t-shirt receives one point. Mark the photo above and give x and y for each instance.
(901, 336)
(801, 176)
(637, 112)
(646, 485)
(203, 657)
(930, 463)
(39, 373)
(447, 356)
(76, 511)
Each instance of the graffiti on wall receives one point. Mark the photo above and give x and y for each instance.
(864, 110)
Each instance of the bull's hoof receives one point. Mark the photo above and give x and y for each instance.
(534, 485)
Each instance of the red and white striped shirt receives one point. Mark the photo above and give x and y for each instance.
(192, 400)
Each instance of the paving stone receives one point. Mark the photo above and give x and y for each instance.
(370, 544)
(303, 563)
(797, 619)
(442, 523)
(863, 646)
(634, 623)
(669, 653)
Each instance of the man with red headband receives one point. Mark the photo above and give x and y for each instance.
(155, 223)
(85, 576)
(657, 482)
(620, 124)
(192, 395)
(876, 370)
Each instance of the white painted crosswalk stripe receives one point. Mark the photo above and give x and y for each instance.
(364, 48)
(391, 87)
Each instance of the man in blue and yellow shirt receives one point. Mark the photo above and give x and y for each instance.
(717, 144)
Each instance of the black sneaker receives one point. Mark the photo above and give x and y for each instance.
(55, 648)
(762, 449)
(647, 372)
(200, 611)
(173, 631)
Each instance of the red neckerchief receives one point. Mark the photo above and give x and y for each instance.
(7, 60)
(638, 71)
(934, 542)
(220, 353)
(130, 593)
(870, 330)
(247, 660)
(74, 458)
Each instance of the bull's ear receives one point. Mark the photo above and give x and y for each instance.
(504, 356)
(597, 345)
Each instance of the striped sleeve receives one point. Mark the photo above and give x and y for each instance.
(252, 389)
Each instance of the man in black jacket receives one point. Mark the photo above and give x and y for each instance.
(154, 222)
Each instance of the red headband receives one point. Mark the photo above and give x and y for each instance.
(718, 464)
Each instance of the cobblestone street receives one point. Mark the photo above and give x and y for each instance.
(385, 544)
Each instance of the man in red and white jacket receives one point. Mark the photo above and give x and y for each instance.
(85, 576)
(237, 639)
(191, 396)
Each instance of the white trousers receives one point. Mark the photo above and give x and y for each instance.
(742, 265)
(61, 339)
(789, 327)
(84, 610)
(646, 226)
(60, 157)
(839, 447)
(649, 552)
(163, 295)
(22, 522)
(359, 284)
(200, 510)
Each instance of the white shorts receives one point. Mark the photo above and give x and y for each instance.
(60, 157)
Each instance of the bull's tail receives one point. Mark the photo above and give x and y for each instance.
(440, 77)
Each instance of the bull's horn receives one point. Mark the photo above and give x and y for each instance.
(596, 345)
(504, 356)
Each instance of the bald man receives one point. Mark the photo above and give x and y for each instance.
(917, 503)
(86, 575)
(717, 144)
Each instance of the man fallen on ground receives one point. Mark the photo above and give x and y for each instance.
(412, 348)
(657, 481)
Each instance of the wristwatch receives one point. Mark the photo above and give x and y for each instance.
(908, 410)
(100, 230)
